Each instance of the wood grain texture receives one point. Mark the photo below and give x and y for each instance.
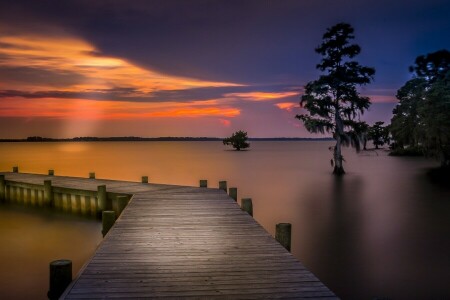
(184, 242)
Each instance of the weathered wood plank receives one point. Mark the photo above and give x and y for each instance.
(179, 242)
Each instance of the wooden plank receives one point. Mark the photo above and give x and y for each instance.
(180, 242)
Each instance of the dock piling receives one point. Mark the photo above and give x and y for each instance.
(60, 277)
(203, 183)
(247, 205)
(91, 175)
(232, 191)
(108, 220)
(283, 235)
(223, 185)
(144, 179)
(16, 169)
(51, 172)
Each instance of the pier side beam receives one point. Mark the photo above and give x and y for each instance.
(101, 198)
(48, 193)
(108, 220)
(2, 188)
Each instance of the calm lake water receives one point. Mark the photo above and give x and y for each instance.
(383, 230)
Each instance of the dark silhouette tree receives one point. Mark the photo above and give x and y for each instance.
(333, 101)
(361, 129)
(238, 140)
(434, 115)
(378, 134)
(422, 117)
(405, 124)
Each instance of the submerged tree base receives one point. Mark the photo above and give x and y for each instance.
(338, 171)
(440, 176)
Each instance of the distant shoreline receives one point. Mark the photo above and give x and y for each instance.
(156, 139)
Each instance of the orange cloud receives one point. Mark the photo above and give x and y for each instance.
(98, 110)
(289, 106)
(70, 54)
(261, 96)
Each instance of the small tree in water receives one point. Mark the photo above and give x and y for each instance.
(332, 100)
(379, 134)
(238, 140)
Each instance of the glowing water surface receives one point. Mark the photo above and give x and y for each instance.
(383, 230)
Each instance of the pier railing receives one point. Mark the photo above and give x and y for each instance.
(70, 200)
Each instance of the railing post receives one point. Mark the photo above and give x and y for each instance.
(2, 188)
(247, 205)
(232, 191)
(283, 235)
(108, 220)
(203, 183)
(223, 185)
(48, 193)
(144, 179)
(60, 277)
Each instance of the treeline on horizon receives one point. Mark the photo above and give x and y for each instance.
(152, 139)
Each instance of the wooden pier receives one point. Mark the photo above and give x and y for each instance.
(179, 242)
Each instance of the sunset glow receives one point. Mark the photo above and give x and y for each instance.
(182, 70)
(95, 71)
(261, 96)
(109, 110)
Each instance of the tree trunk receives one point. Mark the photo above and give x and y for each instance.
(338, 167)
(445, 160)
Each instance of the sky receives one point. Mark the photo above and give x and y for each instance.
(193, 68)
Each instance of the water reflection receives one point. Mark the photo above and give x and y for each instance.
(31, 238)
(380, 231)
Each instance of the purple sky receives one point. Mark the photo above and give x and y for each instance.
(193, 68)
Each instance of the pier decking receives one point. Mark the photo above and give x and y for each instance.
(184, 242)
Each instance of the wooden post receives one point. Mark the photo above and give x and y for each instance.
(101, 198)
(16, 169)
(223, 185)
(92, 175)
(144, 179)
(232, 191)
(51, 172)
(203, 183)
(283, 235)
(108, 219)
(2, 188)
(60, 277)
(119, 204)
(48, 193)
(247, 205)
